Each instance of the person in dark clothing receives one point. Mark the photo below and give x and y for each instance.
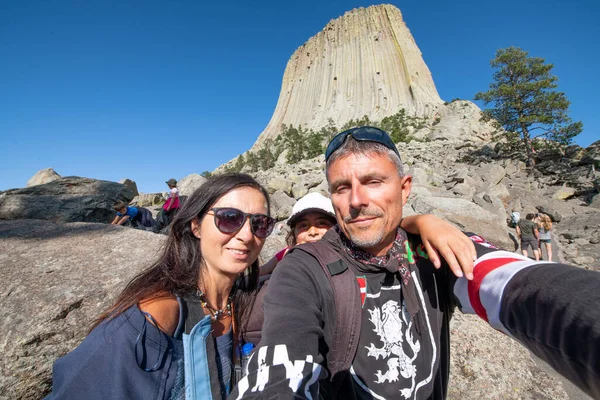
(404, 302)
(137, 217)
(527, 231)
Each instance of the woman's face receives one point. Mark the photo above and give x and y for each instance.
(231, 253)
(311, 227)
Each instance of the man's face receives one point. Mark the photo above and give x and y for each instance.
(368, 194)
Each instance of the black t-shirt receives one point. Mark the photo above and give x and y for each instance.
(392, 359)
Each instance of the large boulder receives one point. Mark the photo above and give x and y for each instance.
(595, 203)
(467, 216)
(591, 155)
(580, 235)
(460, 120)
(492, 173)
(69, 199)
(279, 183)
(564, 193)
(190, 183)
(43, 176)
(56, 279)
(281, 205)
(131, 185)
(148, 199)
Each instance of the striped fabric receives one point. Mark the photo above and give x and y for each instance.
(483, 295)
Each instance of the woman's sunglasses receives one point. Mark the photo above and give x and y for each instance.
(230, 220)
(362, 134)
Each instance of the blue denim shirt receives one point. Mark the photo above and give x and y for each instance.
(128, 357)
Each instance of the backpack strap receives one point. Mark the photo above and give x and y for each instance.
(346, 294)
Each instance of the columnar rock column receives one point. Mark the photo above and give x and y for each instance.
(363, 63)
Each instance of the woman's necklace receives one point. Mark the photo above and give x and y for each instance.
(215, 313)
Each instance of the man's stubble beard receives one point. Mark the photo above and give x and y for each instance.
(366, 243)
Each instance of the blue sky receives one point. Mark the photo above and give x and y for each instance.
(151, 90)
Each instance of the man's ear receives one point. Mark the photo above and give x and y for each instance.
(196, 228)
(406, 188)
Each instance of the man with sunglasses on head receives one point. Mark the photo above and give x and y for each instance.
(390, 338)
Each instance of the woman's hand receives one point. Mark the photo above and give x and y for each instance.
(441, 238)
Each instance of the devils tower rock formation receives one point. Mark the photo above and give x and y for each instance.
(363, 63)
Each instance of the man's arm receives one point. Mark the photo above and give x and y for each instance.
(518, 231)
(439, 237)
(552, 309)
(288, 362)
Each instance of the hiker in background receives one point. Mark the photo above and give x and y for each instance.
(170, 208)
(173, 330)
(544, 224)
(528, 233)
(137, 217)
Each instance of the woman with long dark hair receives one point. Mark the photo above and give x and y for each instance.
(172, 332)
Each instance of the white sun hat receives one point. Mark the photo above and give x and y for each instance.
(312, 202)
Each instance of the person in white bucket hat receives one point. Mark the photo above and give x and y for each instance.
(311, 217)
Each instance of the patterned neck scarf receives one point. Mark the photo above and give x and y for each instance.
(395, 260)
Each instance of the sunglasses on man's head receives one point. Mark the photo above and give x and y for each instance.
(230, 220)
(362, 134)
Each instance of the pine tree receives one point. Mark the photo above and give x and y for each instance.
(266, 158)
(524, 100)
(294, 139)
(252, 161)
(239, 163)
(314, 145)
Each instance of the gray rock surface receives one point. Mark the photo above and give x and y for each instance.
(595, 203)
(281, 205)
(43, 176)
(56, 278)
(486, 364)
(467, 216)
(190, 183)
(579, 236)
(279, 184)
(148, 199)
(131, 185)
(591, 155)
(69, 199)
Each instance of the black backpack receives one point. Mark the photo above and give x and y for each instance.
(347, 301)
(346, 295)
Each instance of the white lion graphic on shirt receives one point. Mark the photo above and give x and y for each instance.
(390, 324)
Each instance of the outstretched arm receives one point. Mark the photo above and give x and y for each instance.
(552, 309)
(441, 238)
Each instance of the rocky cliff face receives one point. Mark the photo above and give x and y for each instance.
(363, 63)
